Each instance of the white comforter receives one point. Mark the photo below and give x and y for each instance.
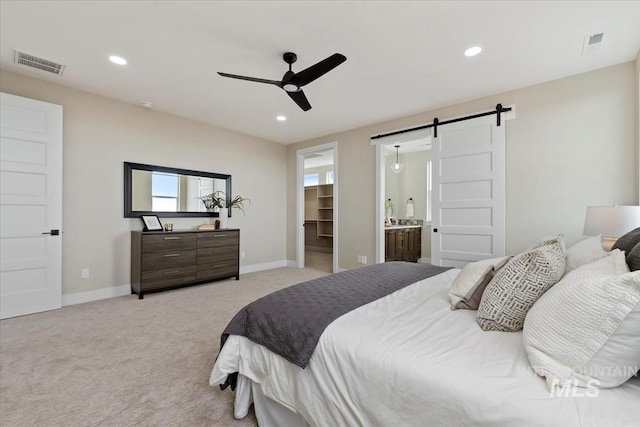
(408, 360)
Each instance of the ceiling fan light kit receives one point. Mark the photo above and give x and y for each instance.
(291, 82)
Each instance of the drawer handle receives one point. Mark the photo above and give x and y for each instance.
(219, 235)
(171, 255)
(171, 272)
(172, 238)
(219, 265)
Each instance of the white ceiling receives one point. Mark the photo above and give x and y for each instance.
(318, 159)
(402, 57)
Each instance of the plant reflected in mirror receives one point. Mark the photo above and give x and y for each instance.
(218, 199)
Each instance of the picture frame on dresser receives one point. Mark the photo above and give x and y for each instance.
(151, 223)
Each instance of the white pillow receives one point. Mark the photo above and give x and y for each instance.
(468, 286)
(584, 330)
(584, 252)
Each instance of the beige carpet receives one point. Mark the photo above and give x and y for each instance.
(124, 362)
(322, 261)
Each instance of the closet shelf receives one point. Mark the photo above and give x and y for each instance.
(319, 208)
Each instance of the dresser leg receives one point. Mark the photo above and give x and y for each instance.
(238, 277)
(140, 295)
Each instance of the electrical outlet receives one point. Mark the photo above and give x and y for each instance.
(362, 259)
(84, 273)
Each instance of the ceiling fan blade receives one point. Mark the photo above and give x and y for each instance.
(300, 99)
(251, 79)
(308, 75)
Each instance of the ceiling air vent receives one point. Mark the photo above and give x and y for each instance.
(592, 43)
(39, 63)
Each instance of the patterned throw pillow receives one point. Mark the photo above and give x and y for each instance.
(519, 284)
(584, 330)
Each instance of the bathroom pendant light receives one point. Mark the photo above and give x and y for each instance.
(397, 166)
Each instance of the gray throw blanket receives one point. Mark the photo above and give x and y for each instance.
(289, 322)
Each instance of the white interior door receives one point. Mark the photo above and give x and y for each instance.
(30, 206)
(468, 195)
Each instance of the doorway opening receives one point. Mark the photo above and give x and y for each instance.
(317, 182)
(407, 200)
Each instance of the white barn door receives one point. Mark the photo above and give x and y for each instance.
(468, 195)
(30, 206)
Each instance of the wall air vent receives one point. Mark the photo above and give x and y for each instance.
(312, 156)
(38, 63)
(592, 43)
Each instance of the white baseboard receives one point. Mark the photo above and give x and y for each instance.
(98, 294)
(118, 291)
(264, 266)
(291, 263)
(425, 260)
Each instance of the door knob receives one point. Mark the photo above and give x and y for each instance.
(435, 230)
(53, 232)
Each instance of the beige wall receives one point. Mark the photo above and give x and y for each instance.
(100, 134)
(572, 144)
(411, 183)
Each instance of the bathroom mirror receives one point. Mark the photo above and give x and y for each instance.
(170, 192)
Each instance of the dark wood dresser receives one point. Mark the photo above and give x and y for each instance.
(164, 260)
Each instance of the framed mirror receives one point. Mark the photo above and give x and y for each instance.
(170, 192)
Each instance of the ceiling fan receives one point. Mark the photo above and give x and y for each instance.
(292, 83)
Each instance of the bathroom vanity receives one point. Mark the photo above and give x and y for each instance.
(403, 243)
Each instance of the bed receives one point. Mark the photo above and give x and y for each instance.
(407, 359)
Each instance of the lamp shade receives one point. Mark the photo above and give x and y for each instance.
(611, 221)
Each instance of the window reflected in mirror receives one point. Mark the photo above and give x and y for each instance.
(161, 190)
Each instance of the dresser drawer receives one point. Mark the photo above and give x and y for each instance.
(168, 259)
(161, 260)
(219, 238)
(167, 277)
(168, 242)
(216, 254)
(217, 269)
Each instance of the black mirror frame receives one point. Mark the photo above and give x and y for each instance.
(128, 179)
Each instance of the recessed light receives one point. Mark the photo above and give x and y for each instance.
(473, 51)
(118, 60)
(281, 118)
